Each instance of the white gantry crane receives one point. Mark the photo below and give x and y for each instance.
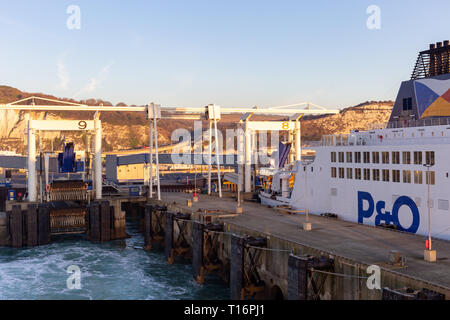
(155, 112)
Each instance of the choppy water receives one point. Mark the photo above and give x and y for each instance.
(116, 270)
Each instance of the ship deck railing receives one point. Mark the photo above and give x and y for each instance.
(442, 121)
(382, 137)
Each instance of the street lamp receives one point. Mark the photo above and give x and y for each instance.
(307, 224)
(429, 254)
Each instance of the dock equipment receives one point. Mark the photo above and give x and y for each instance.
(206, 247)
(409, 294)
(305, 281)
(252, 281)
(154, 113)
(99, 217)
(68, 190)
(245, 281)
(68, 220)
(154, 225)
(180, 246)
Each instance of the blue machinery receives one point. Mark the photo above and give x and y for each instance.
(67, 162)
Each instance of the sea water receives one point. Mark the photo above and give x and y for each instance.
(118, 269)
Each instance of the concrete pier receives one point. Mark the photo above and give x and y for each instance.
(28, 224)
(351, 247)
(261, 253)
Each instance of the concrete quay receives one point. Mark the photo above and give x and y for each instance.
(353, 248)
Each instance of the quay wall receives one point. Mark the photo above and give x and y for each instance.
(348, 280)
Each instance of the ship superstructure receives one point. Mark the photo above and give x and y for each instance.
(386, 176)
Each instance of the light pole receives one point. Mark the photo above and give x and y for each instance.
(307, 224)
(429, 254)
(195, 196)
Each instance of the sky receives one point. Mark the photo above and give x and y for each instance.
(233, 53)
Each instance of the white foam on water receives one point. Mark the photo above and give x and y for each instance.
(114, 270)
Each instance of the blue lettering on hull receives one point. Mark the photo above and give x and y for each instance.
(386, 216)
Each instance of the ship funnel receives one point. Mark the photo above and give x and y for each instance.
(433, 62)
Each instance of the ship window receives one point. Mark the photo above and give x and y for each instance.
(395, 157)
(358, 157)
(341, 173)
(430, 177)
(375, 157)
(358, 173)
(376, 174)
(366, 156)
(385, 175)
(418, 177)
(333, 172)
(385, 157)
(406, 155)
(333, 156)
(429, 156)
(407, 104)
(349, 173)
(349, 157)
(366, 174)
(406, 176)
(396, 175)
(417, 157)
(341, 157)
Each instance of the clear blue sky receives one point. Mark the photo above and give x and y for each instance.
(232, 53)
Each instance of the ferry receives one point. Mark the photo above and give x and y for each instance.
(396, 176)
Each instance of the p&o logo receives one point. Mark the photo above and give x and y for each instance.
(386, 216)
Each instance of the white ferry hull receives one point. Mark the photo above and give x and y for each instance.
(397, 175)
(379, 202)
